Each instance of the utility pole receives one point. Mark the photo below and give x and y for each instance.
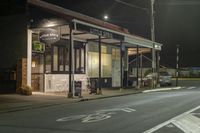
(177, 64)
(152, 12)
(153, 40)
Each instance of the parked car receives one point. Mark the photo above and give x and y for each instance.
(164, 78)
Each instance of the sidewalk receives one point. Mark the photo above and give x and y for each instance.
(15, 102)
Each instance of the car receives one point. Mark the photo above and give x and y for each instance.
(165, 79)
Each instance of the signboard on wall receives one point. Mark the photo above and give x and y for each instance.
(98, 31)
(38, 47)
(49, 36)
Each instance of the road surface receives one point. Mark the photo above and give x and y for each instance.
(160, 112)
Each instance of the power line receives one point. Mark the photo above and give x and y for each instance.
(131, 5)
(181, 3)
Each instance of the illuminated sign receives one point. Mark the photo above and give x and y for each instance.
(49, 36)
(38, 47)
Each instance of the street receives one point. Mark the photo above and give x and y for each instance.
(158, 112)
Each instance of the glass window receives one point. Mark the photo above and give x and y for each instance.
(48, 62)
(55, 59)
(79, 53)
(93, 64)
(61, 58)
(67, 59)
(106, 65)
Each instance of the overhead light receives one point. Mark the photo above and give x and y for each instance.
(50, 24)
(106, 17)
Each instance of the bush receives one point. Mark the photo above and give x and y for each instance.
(24, 90)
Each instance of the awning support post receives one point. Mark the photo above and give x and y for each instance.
(99, 80)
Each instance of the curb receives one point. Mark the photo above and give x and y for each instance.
(103, 97)
(29, 107)
(75, 100)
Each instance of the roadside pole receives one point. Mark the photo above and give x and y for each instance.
(153, 48)
(177, 64)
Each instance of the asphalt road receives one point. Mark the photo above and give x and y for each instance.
(146, 112)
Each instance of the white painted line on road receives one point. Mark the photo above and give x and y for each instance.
(128, 110)
(188, 124)
(117, 109)
(96, 116)
(192, 87)
(171, 121)
(162, 89)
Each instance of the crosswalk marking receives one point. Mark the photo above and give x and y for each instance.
(186, 122)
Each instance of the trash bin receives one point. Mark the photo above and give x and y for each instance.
(78, 88)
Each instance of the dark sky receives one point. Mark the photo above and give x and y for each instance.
(177, 22)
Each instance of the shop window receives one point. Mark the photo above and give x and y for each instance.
(61, 59)
(79, 53)
(93, 62)
(47, 60)
(55, 59)
(115, 54)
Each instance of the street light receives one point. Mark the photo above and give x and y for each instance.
(105, 17)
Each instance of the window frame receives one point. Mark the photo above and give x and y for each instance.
(66, 55)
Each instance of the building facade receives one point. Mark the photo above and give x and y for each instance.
(71, 47)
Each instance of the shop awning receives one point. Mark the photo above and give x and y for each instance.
(128, 39)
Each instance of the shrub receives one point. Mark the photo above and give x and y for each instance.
(24, 90)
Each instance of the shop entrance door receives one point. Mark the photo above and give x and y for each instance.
(37, 75)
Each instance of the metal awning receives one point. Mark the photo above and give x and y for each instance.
(141, 42)
(128, 39)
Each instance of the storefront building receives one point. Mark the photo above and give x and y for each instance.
(78, 48)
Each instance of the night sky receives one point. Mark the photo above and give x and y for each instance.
(177, 22)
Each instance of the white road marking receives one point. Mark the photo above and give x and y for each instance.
(175, 121)
(192, 87)
(188, 123)
(163, 89)
(128, 110)
(71, 118)
(118, 109)
(96, 116)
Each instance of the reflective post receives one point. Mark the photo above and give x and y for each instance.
(137, 63)
(121, 64)
(141, 67)
(177, 64)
